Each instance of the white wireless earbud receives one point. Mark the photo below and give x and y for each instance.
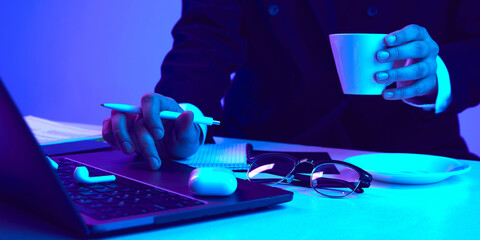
(54, 164)
(81, 175)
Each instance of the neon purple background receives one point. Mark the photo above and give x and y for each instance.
(61, 59)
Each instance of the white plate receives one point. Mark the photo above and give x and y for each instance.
(408, 168)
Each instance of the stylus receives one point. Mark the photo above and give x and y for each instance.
(163, 114)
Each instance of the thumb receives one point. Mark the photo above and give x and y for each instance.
(185, 130)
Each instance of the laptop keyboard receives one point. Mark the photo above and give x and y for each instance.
(120, 198)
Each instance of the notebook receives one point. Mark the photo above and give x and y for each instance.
(228, 155)
(143, 198)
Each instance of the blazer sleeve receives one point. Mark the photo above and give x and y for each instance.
(207, 48)
(461, 53)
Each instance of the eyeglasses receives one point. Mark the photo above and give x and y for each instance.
(330, 178)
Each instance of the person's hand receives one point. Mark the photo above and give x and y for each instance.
(154, 138)
(417, 78)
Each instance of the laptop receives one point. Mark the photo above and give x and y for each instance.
(139, 198)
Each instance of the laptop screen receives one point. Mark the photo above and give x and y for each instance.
(27, 179)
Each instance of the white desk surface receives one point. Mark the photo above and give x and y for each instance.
(446, 210)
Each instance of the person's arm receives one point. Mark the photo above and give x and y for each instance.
(417, 82)
(207, 49)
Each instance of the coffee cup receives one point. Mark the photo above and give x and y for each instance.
(356, 62)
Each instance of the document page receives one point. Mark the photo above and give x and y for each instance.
(49, 132)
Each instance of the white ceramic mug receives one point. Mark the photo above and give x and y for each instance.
(355, 58)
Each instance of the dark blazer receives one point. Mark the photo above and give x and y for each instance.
(286, 86)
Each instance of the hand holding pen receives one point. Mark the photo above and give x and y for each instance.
(144, 131)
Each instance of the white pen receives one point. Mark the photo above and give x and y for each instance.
(163, 114)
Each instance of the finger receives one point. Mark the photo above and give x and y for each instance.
(133, 135)
(146, 145)
(411, 72)
(120, 131)
(185, 130)
(409, 33)
(152, 104)
(415, 49)
(185, 138)
(107, 133)
(419, 88)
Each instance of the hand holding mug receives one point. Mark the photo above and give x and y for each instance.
(417, 77)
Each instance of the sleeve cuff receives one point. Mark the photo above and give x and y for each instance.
(444, 93)
(196, 112)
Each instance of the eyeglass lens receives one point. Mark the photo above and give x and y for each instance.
(338, 183)
(270, 168)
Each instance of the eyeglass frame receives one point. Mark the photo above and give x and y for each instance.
(365, 178)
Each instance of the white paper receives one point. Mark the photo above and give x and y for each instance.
(48, 132)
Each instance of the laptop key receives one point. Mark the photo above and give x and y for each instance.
(100, 196)
(113, 194)
(134, 200)
(77, 196)
(83, 200)
(83, 189)
(94, 186)
(110, 201)
(122, 204)
(96, 205)
(72, 185)
(88, 193)
(104, 189)
(122, 196)
(136, 192)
